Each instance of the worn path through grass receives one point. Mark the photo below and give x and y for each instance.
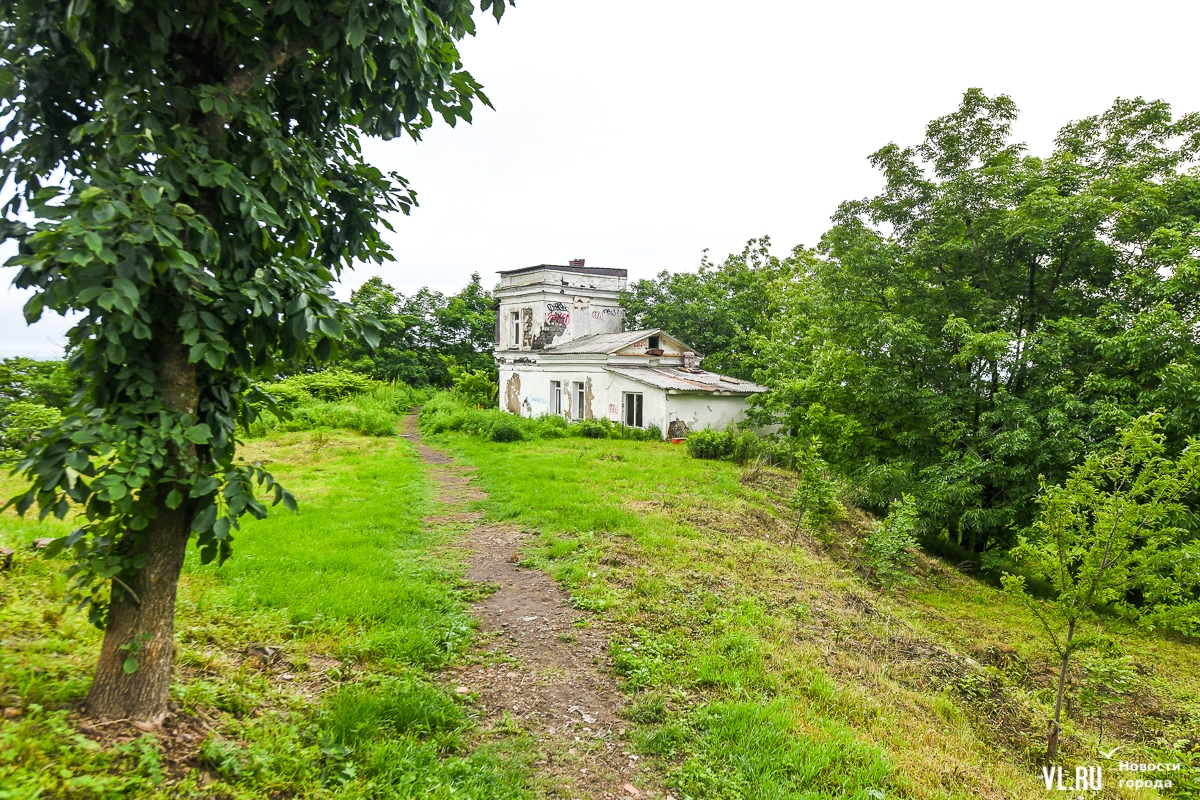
(538, 666)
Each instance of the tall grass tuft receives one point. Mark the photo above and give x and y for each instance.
(358, 712)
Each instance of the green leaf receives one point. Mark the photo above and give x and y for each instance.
(130, 666)
(55, 547)
(200, 434)
(204, 520)
(33, 308)
(150, 195)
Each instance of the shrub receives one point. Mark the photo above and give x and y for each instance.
(816, 491)
(889, 546)
(593, 429)
(653, 433)
(710, 444)
(505, 430)
(475, 388)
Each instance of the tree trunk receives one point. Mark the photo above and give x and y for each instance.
(143, 619)
(1052, 740)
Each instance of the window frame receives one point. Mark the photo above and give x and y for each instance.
(515, 325)
(579, 390)
(633, 409)
(556, 398)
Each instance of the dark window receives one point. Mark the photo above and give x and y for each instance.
(633, 409)
(579, 398)
(654, 344)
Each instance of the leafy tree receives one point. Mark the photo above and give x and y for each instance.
(214, 189)
(47, 383)
(475, 388)
(421, 331)
(993, 316)
(1110, 534)
(723, 309)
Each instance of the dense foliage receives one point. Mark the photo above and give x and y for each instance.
(426, 336)
(336, 399)
(1110, 537)
(723, 310)
(195, 179)
(993, 316)
(991, 320)
(33, 395)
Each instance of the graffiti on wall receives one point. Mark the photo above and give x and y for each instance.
(558, 318)
(556, 307)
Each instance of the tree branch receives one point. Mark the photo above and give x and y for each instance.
(242, 81)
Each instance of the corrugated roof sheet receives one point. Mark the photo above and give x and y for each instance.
(682, 381)
(601, 342)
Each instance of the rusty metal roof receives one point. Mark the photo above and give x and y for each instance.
(686, 381)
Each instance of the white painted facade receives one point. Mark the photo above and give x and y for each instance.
(561, 348)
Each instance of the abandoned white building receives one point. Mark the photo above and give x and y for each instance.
(562, 348)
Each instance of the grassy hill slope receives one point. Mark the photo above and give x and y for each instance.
(755, 661)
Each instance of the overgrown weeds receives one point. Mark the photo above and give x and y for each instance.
(447, 412)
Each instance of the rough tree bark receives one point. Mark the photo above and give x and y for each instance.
(144, 617)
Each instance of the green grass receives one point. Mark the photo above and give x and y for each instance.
(753, 661)
(356, 592)
(355, 556)
(753, 665)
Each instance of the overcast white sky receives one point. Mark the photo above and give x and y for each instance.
(635, 134)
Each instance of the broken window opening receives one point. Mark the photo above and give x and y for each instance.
(653, 343)
(632, 401)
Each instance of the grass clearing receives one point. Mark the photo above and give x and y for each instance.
(723, 630)
(356, 601)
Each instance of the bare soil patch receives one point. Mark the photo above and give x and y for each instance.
(541, 665)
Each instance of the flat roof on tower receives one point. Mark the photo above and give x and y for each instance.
(616, 273)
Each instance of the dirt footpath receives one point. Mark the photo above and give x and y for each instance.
(537, 667)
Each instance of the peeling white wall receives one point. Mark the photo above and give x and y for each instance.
(533, 395)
